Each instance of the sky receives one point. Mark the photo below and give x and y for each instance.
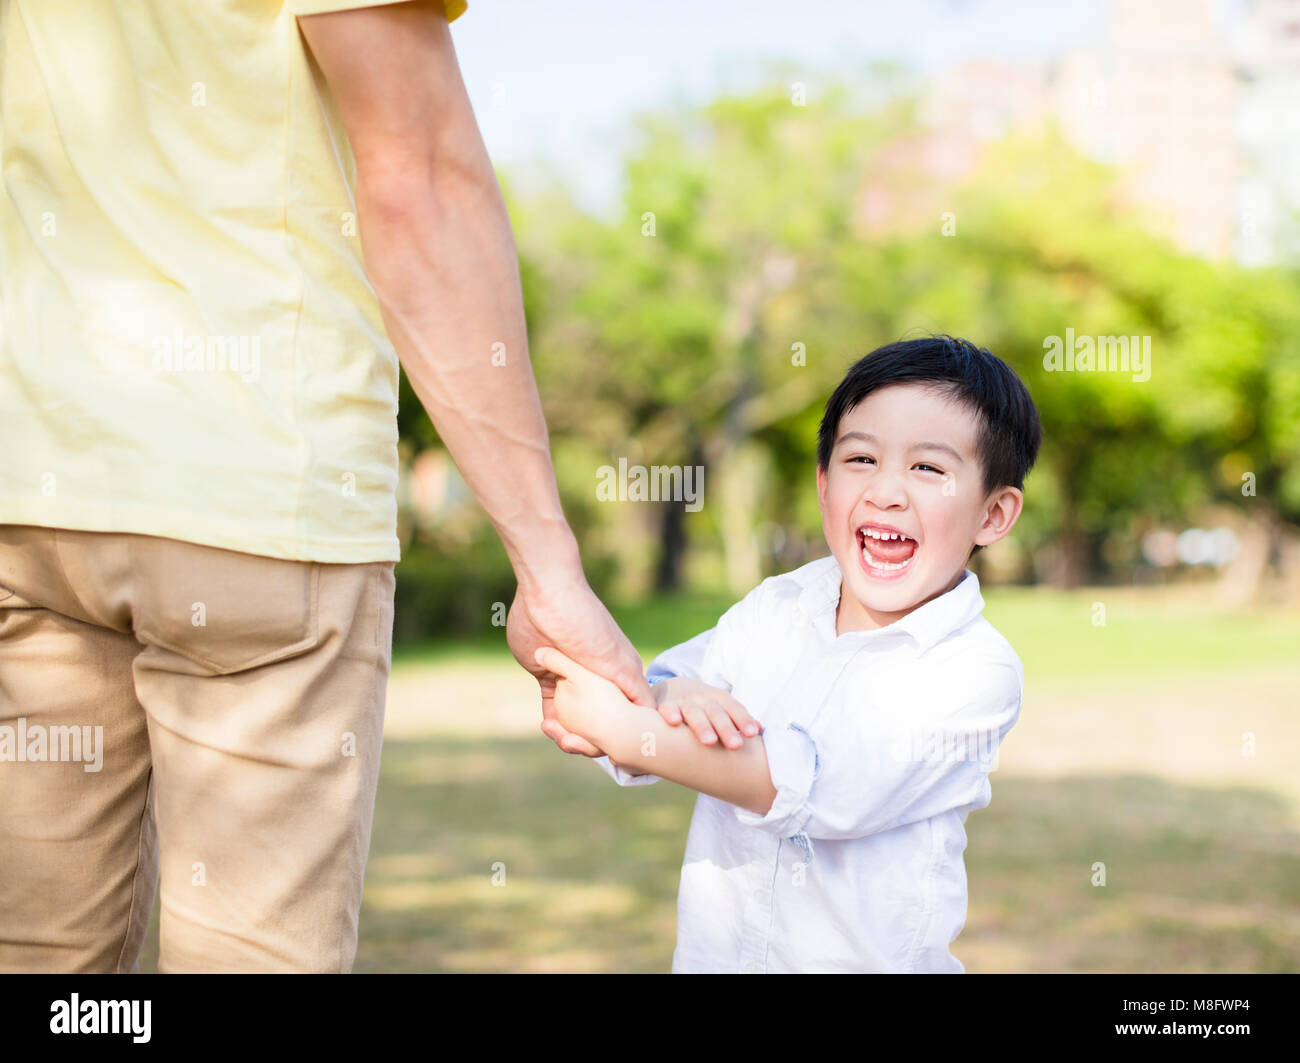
(554, 82)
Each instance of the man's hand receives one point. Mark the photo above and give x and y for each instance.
(711, 713)
(568, 616)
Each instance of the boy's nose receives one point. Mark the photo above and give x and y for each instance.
(886, 491)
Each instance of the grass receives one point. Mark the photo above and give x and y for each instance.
(1128, 756)
(1145, 632)
(652, 625)
(1142, 631)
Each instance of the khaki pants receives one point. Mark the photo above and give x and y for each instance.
(211, 715)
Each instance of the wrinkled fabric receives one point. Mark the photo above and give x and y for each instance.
(189, 346)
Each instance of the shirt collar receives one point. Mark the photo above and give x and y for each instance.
(927, 625)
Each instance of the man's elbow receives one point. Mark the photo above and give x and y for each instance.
(409, 221)
(405, 187)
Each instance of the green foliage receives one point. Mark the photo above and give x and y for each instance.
(438, 591)
(752, 229)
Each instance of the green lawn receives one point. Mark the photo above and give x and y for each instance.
(1145, 631)
(1128, 754)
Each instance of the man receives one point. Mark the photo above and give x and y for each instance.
(198, 390)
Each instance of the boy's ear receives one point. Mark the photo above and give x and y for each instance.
(1000, 516)
(821, 489)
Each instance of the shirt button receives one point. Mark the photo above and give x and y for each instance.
(751, 967)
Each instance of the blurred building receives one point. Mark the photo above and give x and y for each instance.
(1196, 101)
(1267, 47)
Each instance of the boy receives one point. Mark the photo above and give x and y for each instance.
(833, 841)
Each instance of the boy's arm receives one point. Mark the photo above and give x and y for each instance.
(618, 772)
(684, 659)
(638, 740)
(854, 773)
(849, 775)
(710, 659)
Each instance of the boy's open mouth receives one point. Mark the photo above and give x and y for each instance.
(885, 549)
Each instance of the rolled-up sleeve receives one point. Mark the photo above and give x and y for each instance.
(794, 764)
(854, 774)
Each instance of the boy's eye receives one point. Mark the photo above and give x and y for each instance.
(919, 465)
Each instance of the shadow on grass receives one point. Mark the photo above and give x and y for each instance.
(1197, 878)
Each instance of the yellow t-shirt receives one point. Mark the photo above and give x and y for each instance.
(189, 345)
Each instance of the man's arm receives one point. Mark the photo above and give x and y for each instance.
(440, 254)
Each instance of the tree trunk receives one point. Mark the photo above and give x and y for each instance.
(672, 547)
(673, 540)
(1242, 580)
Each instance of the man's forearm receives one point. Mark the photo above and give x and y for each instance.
(638, 739)
(441, 257)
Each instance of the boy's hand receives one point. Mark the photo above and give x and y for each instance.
(566, 614)
(582, 699)
(712, 714)
(585, 701)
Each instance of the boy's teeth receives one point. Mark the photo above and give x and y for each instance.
(884, 566)
(887, 551)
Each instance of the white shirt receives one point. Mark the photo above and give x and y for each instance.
(879, 744)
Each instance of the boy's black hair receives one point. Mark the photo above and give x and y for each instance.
(1010, 431)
